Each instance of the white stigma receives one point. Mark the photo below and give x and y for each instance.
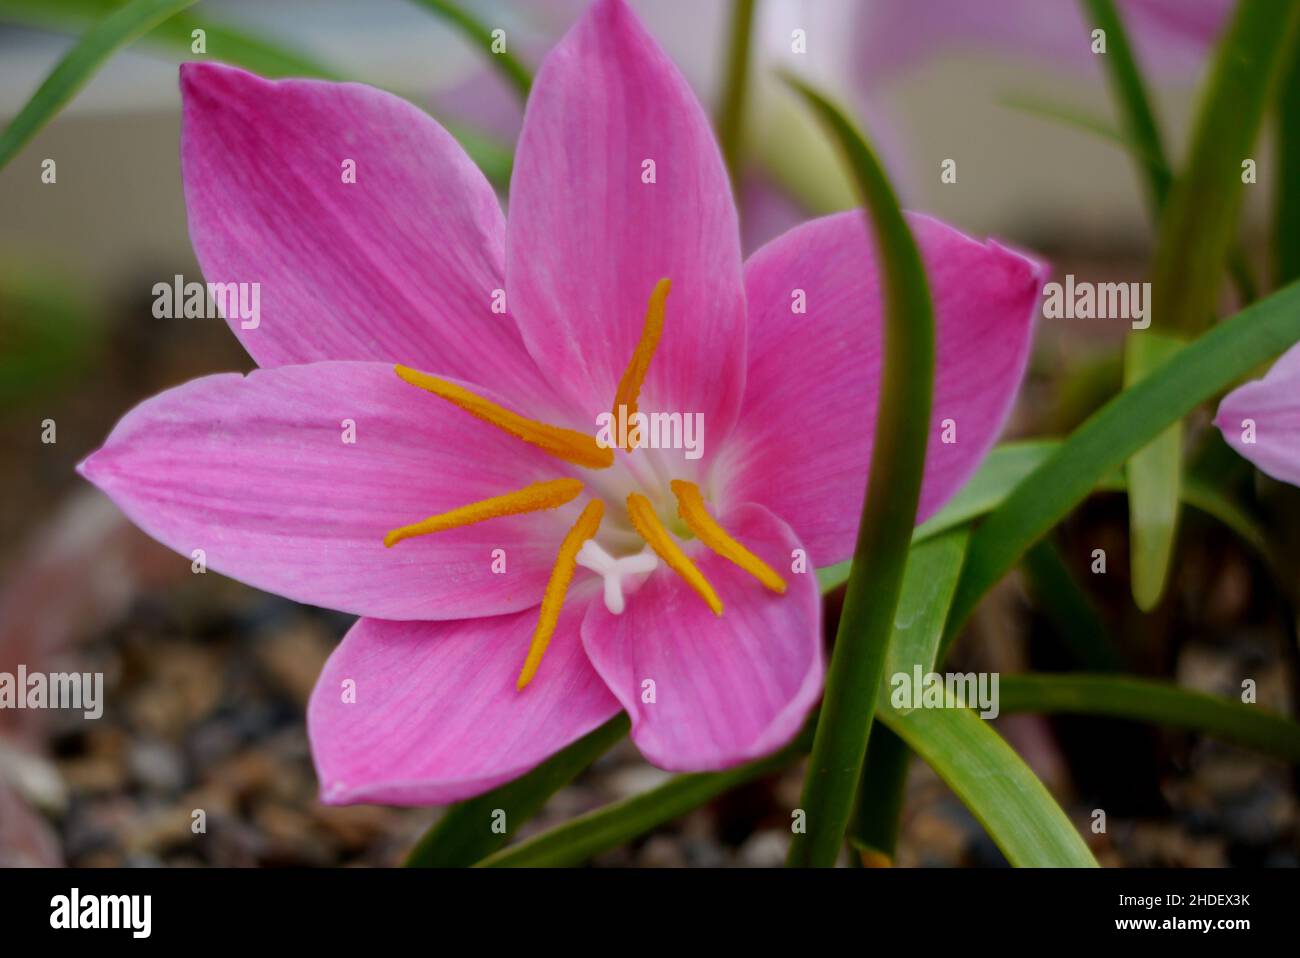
(614, 571)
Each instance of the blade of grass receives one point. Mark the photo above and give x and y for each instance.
(1155, 702)
(464, 834)
(1286, 216)
(992, 781)
(580, 838)
(1197, 232)
(108, 35)
(889, 505)
(1070, 609)
(1125, 424)
(225, 43)
(928, 583)
(731, 110)
(1130, 94)
(480, 35)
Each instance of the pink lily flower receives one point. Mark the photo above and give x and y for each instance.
(1261, 420)
(557, 580)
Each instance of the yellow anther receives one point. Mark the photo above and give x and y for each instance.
(538, 496)
(558, 586)
(690, 506)
(656, 536)
(567, 444)
(629, 387)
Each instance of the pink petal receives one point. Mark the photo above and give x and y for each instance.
(255, 472)
(728, 688)
(1273, 403)
(436, 716)
(588, 240)
(803, 444)
(399, 266)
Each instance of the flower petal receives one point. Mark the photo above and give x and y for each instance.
(803, 445)
(257, 473)
(1273, 406)
(398, 266)
(435, 715)
(727, 688)
(588, 239)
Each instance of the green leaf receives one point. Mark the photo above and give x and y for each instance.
(1154, 477)
(1197, 231)
(613, 825)
(929, 582)
(480, 35)
(1131, 96)
(889, 507)
(225, 43)
(731, 107)
(86, 56)
(991, 780)
(1128, 422)
(1070, 609)
(464, 834)
(1156, 702)
(1286, 216)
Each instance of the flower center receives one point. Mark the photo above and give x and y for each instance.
(645, 519)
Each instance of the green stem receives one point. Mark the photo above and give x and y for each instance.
(597, 831)
(1286, 220)
(480, 34)
(465, 833)
(875, 827)
(889, 506)
(1131, 95)
(731, 110)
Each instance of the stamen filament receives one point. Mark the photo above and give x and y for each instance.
(558, 586)
(690, 506)
(629, 387)
(567, 444)
(644, 520)
(534, 498)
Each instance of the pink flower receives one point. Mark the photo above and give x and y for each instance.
(717, 655)
(1261, 420)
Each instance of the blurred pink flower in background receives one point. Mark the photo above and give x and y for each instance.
(1261, 420)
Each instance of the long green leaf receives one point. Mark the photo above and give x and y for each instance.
(116, 30)
(1071, 610)
(1156, 702)
(465, 834)
(1007, 465)
(480, 34)
(1121, 427)
(225, 43)
(1196, 233)
(580, 838)
(1286, 216)
(991, 780)
(731, 107)
(1131, 95)
(889, 506)
(928, 585)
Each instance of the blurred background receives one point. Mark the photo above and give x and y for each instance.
(206, 680)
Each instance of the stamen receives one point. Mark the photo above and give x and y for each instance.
(690, 506)
(567, 444)
(656, 536)
(558, 586)
(629, 387)
(534, 498)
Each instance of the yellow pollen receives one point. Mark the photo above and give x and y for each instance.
(629, 387)
(567, 444)
(558, 586)
(656, 536)
(538, 496)
(690, 506)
